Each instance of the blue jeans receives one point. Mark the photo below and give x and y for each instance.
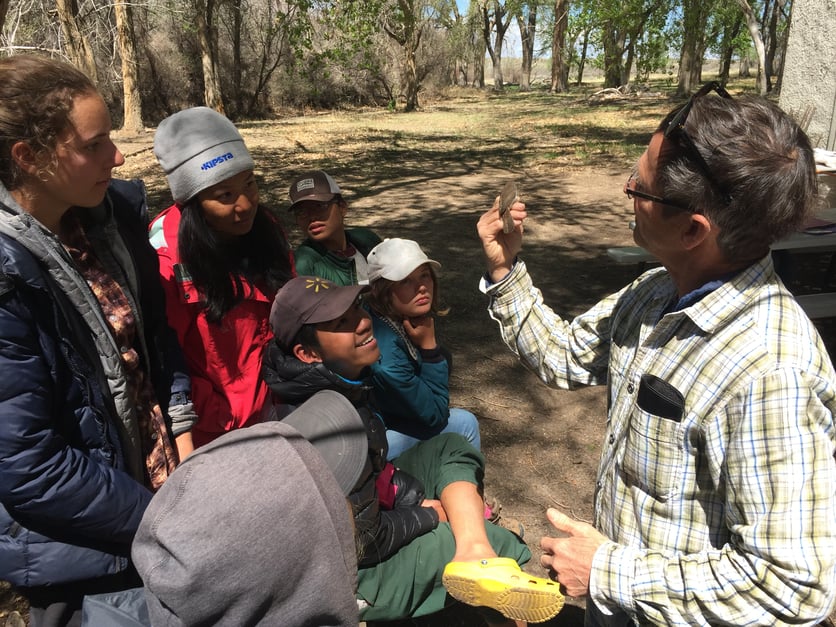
(460, 421)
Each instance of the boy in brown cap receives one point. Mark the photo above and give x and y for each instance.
(420, 516)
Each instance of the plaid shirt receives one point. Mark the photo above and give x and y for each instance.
(723, 512)
(157, 448)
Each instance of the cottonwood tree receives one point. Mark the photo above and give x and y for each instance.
(4, 9)
(265, 35)
(496, 18)
(204, 11)
(695, 14)
(78, 48)
(730, 25)
(757, 40)
(405, 23)
(131, 95)
(775, 25)
(622, 25)
(527, 23)
(580, 29)
(560, 65)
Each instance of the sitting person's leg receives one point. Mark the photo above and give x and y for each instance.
(399, 443)
(460, 421)
(409, 582)
(452, 471)
(464, 422)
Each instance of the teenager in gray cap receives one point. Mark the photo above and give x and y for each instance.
(254, 528)
(222, 258)
(330, 249)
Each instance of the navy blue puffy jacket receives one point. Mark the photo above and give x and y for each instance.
(68, 507)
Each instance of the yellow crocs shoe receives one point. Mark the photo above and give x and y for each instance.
(499, 583)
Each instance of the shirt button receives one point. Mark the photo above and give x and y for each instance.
(154, 435)
(124, 349)
(612, 438)
(630, 388)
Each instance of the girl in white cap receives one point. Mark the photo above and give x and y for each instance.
(411, 379)
(222, 256)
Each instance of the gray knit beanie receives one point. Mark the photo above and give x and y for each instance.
(198, 148)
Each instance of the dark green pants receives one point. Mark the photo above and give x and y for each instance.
(409, 582)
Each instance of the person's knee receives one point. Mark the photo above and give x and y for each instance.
(465, 423)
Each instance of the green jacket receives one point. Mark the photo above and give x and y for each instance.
(313, 259)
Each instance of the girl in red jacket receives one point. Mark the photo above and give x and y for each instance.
(222, 256)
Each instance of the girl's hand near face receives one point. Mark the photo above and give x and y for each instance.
(421, 331)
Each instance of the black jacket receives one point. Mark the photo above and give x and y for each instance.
(380, 532)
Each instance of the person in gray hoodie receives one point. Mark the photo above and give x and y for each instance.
(254, 528)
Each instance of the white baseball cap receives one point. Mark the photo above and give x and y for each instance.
(396, 258)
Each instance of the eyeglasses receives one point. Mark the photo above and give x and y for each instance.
(632, 192)
(675, 130)
(314, 210)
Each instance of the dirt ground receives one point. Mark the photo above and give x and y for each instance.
(542, 445)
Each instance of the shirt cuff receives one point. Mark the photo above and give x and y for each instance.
(611, 578)
(486, 284)
(183, 418)
(432, 355)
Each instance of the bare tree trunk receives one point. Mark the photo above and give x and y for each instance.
(780, 78)
(754, 31)
(411, 76)
(772, 48)
(560, 71)
(211, 81)
(627, 68)
(690, 58)
(727, 47)
(132, 97)
(237, 64)
(745, 70)
(4, 9)
(407, 33)
(582, 59)
(495, 49)
(479, 65)
(613, 40)
(527, 31)
(78, 48)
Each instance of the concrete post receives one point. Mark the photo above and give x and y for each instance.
(808, 87)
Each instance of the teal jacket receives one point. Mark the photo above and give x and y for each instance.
(411, 388)
(313, 259)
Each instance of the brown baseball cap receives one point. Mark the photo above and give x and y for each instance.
(309, 300)
(316, 185)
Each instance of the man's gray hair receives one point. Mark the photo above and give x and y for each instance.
(758, 155)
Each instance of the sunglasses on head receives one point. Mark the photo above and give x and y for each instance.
(675, 131)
